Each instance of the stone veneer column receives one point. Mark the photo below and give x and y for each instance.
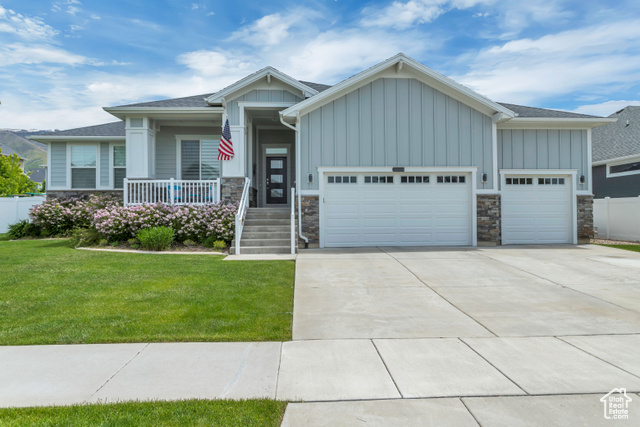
(585, 219)
(489, 216)
(310, 219)
(231, 189)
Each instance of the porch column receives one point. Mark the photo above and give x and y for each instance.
(141, 147)
(235, 168)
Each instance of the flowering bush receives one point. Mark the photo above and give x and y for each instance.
(188, 222)
(60, 216)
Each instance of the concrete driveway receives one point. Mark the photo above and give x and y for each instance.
(483, 292)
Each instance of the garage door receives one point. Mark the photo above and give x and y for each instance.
(366, 209)
(536, 209)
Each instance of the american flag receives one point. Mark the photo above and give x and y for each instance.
(225, 149)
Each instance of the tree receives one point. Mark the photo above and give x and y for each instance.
(13, 181)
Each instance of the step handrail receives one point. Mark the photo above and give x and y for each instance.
(242, 212)
(293, 221)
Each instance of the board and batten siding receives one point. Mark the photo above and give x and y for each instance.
(166, 156)
(544, 149)
(259, 95)
(396, 122)
(105, 164)
(58, 165)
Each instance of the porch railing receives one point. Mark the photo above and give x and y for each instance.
(171, 191)
(242, 212)
(293, 221)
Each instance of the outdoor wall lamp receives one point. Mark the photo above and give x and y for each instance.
(484, 178)
(310, 178)
(581, 179)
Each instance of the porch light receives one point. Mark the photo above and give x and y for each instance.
(484, 178)
(581, 179)
(310, 178)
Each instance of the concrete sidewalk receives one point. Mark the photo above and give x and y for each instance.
(327, 370)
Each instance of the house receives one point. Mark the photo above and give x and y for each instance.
(6, 151)
(616, 176)
(616, 156)
(38, 175)
(397, 155)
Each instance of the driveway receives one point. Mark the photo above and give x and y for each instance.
(468, 292)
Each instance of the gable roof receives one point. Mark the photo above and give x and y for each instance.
(187, 101)
(618, 139)
(107, 131)
(524, 111)
(399, 61)
(267, 72)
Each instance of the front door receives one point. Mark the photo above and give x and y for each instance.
(276, 180)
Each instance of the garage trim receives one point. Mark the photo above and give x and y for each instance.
(572, 173)
(408, 169)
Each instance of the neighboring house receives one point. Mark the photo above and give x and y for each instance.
(396, 155)
(38, 175)
(616, 176)
(616, 156)
(6, 151)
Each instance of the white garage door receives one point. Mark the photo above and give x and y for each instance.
(536, 209)
(366, 209)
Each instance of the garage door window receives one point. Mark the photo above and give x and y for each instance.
(550, 181)
(519, 181)
(342, 179)
(416, 179)
(375, 179)
(451, 179)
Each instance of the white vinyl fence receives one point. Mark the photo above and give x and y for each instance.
(14, 209)
(617, 219)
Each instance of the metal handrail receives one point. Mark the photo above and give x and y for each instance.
(293, 221)
(242, 211)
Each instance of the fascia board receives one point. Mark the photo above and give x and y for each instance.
(44, 138)
(554, 123)
(623, 159)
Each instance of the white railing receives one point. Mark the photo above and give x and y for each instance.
(617, 218)
(242, 211)
(293, 221)
(171, 191)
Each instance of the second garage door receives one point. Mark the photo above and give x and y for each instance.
(392, 209)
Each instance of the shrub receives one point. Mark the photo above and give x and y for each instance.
(103, 242)
(84, 237)
(59, 217)
(156, 238)
(220, 245)
(189, 243)
(23, 229)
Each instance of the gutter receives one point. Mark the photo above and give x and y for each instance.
(293, 128)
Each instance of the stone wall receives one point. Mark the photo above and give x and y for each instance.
(63, 194)
(585, 219)
(231, 189)
(489, 217)
(310, 219)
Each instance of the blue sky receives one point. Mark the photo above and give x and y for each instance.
(61, 61)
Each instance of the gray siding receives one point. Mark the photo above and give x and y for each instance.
(396, 122)
(620, 186)
(58, 165)
(258, 96)
(166, 147)
(544, 149)
(105, 164)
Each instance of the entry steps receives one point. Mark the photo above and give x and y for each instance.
(265, 231)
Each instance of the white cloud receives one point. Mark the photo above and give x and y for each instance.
(72, 7)
(24, 27)
(531, 70)
(275, 29)
(18, 53)
(605, 108)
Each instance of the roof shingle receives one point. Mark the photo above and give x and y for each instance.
(618, 139)
(107, 129)
(531, 112)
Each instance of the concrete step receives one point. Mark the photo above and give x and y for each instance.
(265, 242)
(264, 250)
(268, 233)
(270, 221)
(268, 215)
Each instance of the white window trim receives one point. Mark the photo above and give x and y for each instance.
(180, 138)
(96, 145)
(571, 174)
(472, 170)
(622, 162)
(112, 182)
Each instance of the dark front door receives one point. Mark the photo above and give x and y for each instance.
(276, 180)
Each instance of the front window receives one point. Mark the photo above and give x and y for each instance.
(119, 165)
(83, 166)
(199, 159)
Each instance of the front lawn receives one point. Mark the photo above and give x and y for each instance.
(183, 413)
(52, 294)
(634, 248)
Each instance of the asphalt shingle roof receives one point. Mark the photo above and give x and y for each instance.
(524, 111)
(618, 139)
(186, 102)
(107, 129)
(316, 86)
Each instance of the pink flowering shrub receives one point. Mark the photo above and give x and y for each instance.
(56, 217)
(188, 222)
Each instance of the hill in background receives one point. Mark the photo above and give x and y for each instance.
(15, 141)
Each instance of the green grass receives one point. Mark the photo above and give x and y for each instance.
(634, 248)
(52, 294)
(183, 413)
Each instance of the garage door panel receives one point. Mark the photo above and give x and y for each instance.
(397, 213)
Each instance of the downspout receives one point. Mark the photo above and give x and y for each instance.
(303, 237)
